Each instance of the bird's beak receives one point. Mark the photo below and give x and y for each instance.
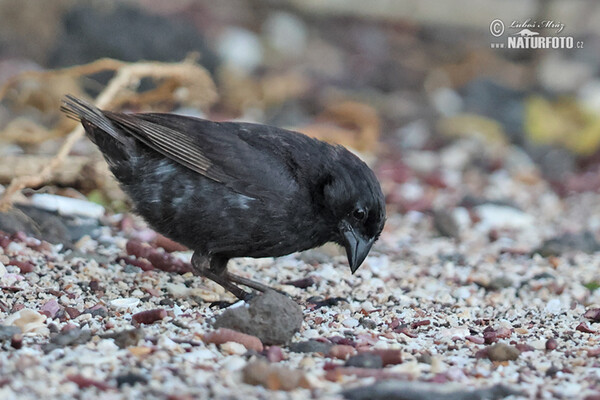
(357, 247)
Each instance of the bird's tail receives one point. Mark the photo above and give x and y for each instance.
(91, 117)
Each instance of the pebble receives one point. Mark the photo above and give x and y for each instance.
(365, 360)
(341, 351)
(502, 352)
(311, 346)
(233, 348)
(273, 377)
(350, 323)
(125, 303)
(240, 48)
(67, 205)
(272, 317)
(29, 321)
(224, 335)
(149, 316)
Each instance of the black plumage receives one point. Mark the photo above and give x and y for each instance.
(230, 189)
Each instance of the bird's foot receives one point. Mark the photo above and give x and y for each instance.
(240, 280)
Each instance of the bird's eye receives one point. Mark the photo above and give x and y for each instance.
(359, 214)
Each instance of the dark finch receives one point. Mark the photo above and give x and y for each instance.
(228, 189)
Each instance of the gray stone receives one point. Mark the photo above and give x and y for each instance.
(8, 331)
(310, 346)
(272, 317)
(403, 390)
(365, 360)
(126, 338)
(69, 338)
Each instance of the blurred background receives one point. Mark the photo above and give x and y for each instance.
(422, 90)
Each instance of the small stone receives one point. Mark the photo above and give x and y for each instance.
(70, 337)
(368, 323)
(233, 348)
(224, 335)
(126, 338)
(24, 266)
(499, 283)
(130, 379)
(273, 377)
(341, 351)
(569, 242)
(311, 346)
(149, 316)
(350, 323)
(445, 223)
(502, 352)
(125, 303)
(389, 356)
(593, 314)
(272, 317)
(402, 389)
(551, 344)
(50, 308)
(84, 382)
(28, 321)
(582, 327)
(274, 354)
(302, 283)
(8, 331)
(365, 360)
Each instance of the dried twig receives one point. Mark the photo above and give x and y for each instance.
(188, 73)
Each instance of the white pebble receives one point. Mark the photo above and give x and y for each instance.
(554, 306)
(233, 348)
(350, 323)
(125, 303)
(234, 363)
(67, 205)
(311, 333)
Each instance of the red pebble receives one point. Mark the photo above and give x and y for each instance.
(503, 333)
(50, 308)
(523, 347)
(490, 337)
(224, 335)
(475, 339)
(551, 344)
(73, 312)
(341, 351)
(593, 314)
(389, 356)
(582, 327)
(301, 283)
(137, 262)
(24, 266)
(4, 240)
(84, 382)
(416, 324)
(150, 316)
(16, 341)
(136, 248)
(405, 330)
(274, 354)
(593, 352)
(168, 244)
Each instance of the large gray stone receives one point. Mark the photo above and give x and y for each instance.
(272, 317)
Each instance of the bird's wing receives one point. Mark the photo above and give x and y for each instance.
(249, 158)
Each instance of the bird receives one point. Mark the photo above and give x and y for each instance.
(237, 189)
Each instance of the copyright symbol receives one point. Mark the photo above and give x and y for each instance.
(497, 28)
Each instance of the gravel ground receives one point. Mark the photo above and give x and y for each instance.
(508, 298)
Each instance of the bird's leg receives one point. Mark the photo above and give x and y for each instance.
(240, 280)
(216, 271)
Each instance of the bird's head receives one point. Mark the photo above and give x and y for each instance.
(354, 200)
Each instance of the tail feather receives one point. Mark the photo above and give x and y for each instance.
(83, 111)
